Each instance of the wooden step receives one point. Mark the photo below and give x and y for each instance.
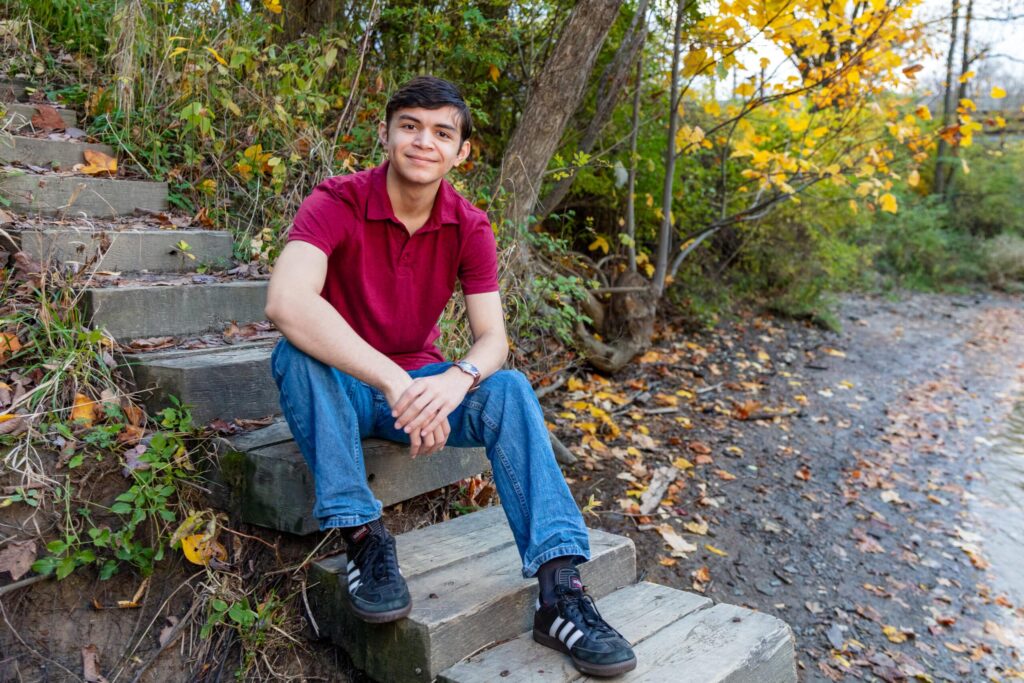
(676, 636)
(56, 154)
(467, 593)
(154, 251)
(13, 89)
(53, 194)
(18, 116)
(268, 483)
(137, 311)
(219, 383)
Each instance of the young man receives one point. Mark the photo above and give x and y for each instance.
(371, 261)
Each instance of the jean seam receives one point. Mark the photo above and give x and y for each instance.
(563, 550)
(500, 453)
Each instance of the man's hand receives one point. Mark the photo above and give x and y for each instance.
(423, 408)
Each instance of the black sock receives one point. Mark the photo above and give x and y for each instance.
(355, 535)
(550, 574)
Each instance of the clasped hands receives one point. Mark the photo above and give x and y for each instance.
(423, 406)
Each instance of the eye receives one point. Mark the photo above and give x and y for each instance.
(444, 134)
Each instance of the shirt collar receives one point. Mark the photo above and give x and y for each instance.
(378, 203)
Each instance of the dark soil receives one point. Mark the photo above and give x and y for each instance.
(851, 514)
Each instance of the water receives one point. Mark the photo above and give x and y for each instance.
(1000, 505)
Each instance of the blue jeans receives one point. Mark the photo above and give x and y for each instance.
(330, 412)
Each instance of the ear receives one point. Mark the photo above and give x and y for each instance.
(382, 132)
(463, 152)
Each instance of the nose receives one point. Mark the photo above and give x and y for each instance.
(423, 138)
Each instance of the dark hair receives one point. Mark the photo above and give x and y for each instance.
(431, 92)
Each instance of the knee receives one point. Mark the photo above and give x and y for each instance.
(509, 383)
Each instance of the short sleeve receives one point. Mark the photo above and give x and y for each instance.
(322, 219)
(478, 262)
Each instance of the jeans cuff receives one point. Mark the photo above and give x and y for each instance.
(340, 522)
(564, 550)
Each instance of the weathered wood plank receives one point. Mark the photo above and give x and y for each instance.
(57, 154)
(132, 312)
(724, 644)
(636, 611)
(153, 251)
(47, 194)
(17, 116)
(456, 609)
(12, 90)
(226, 383)
(272, 486)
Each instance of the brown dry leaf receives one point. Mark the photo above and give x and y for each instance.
(47, 119)
(203, 219)
(84, 410)
(9, 344)
(91, 665)
(130, 435)
(723, 474)
(167, 631)
(17, 558)
(743, 411)
(804, 473)
(134, 414)
(109, 401)
(666, 400)
(96, 163)
(700, 448)
(667, 561)
(701, 577)
(703, 459)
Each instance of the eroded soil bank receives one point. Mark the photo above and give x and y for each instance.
(867, 486)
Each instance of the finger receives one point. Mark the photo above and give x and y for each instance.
(407, 397)
(412, 411)
(428, 444)
(415, 444)
(429, 419)
(440, 438)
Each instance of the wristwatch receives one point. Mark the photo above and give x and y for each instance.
(471, 370)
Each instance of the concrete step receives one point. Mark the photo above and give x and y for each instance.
(18, 116)
(219, 383)
(467, 593)
(137, 311)
(678, 637)
(56, 154)
(52, 194)
(153, 251)
(268, 483)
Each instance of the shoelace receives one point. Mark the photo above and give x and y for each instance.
(381, 568)
(581, 607)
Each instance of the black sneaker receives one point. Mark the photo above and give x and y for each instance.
(376, 588)
(573, 625)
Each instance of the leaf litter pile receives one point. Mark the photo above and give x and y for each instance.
(816, 476)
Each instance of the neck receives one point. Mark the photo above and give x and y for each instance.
(409, 200)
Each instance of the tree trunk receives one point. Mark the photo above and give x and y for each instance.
(553, 98)
(631, 180)
(609, 90)
(939, 184)
(965, 66)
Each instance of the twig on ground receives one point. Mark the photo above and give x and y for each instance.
(713, 387)
(171, 638)
(23, 583)
(541, 392)
(562, 454)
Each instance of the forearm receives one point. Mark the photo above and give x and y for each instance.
(315, 327)
(489, 353)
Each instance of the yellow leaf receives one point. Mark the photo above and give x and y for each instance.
(217, 56)
(273, 5)
(576, 385)
(9, 344)
(894, 634)
(923, 113)
(199, 550)
(716, 551)
(998, 93)
(967, 76)
(96, 163)
(84, 410)
(495, 73)
(914, 178)
(699, 528)
(888, 203)
(177, 51)
(682, 463)
(599, 243)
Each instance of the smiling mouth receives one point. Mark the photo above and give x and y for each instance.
(421, 159)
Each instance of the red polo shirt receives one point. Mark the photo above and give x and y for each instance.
(390, 286)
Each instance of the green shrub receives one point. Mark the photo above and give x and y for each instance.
(1003, 258)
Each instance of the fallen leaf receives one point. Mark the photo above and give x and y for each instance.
(804, 473)
(47, 119)
(679, 545)
(91, 665)
(167, 631)
(96, 163)
(716, 551)
(9, 344)
(84, 410)
(727, 476)
(200, 550)
(17, 558)
(667, 561)
(699, 528)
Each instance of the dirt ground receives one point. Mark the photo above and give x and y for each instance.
(839, 481)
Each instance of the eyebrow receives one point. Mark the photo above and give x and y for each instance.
(446, 126)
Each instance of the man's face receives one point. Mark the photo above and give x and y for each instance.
(423, 144)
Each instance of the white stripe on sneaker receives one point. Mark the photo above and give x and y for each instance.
(555, 625)
(566, 630)
(351, 563)
(572, 639)
(354, 574)
(353, 586)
